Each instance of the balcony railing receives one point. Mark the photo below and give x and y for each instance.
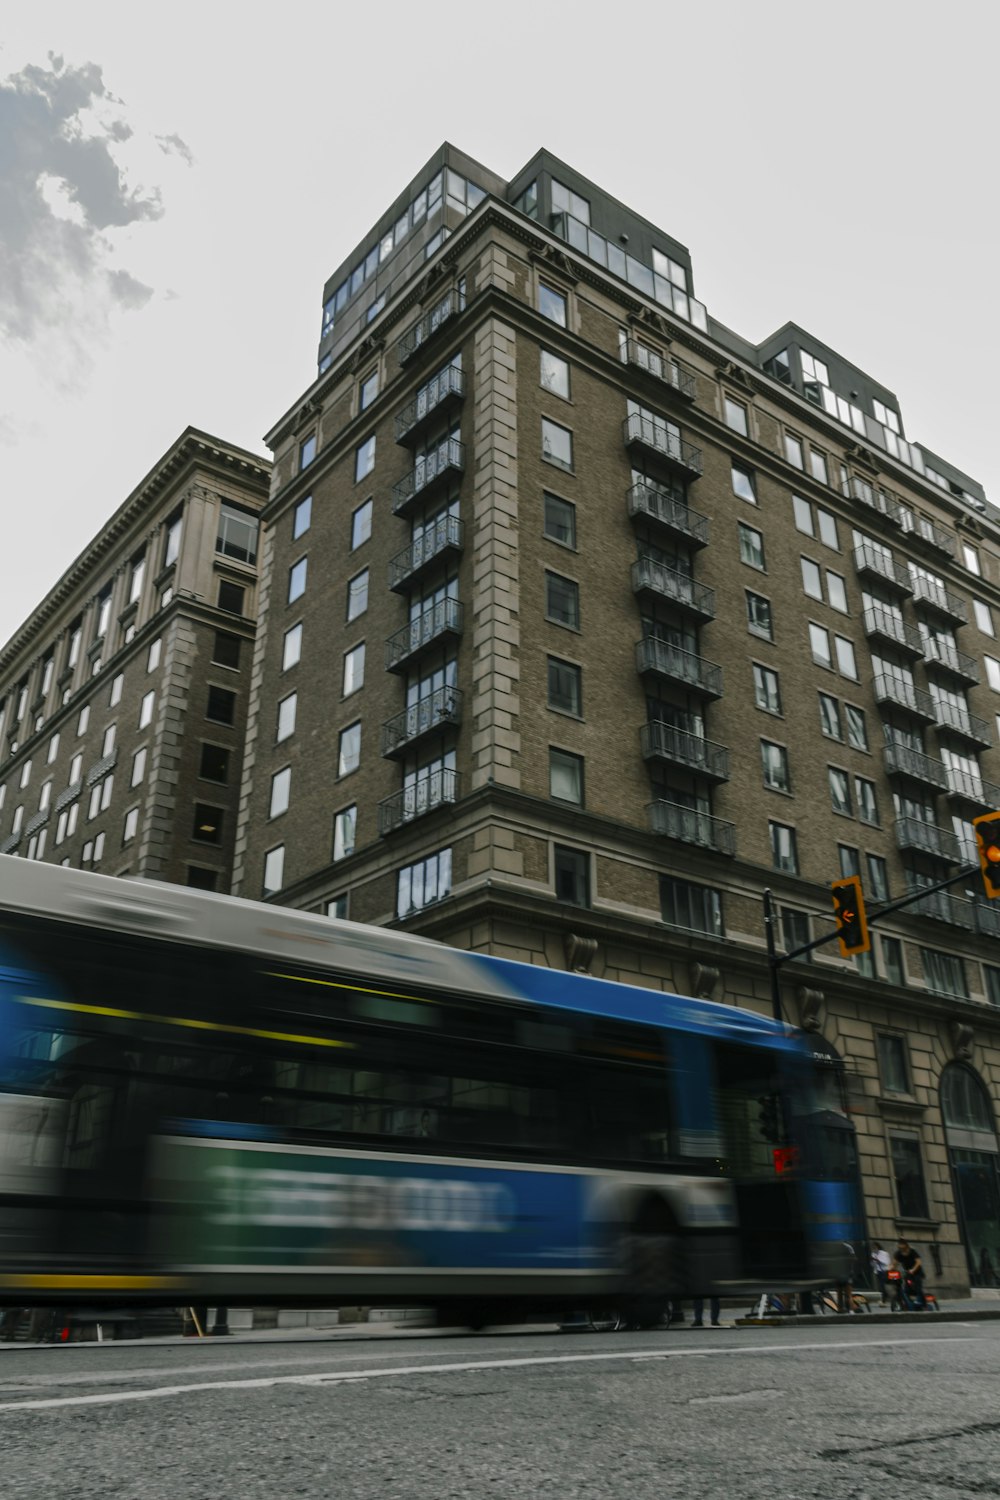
(649, 576)
(443, 537)
(664, 659)
(936, 596)
(441, 313)
(102, 767)
(942, 907)
(692, 827)
(876, 498)
(660, 368)
(436, 789)
(437, 711)
(442, 619)
(905, 695)
(937, 536)
(445, 390)
(868, 559)
(10, 843)
(956, 717)
(883, 623)
(662, 741)
(447, 458)
(674, 515)
(658, 438)
(968, 786)
(900, 760)
(945, 657)
(912, 833)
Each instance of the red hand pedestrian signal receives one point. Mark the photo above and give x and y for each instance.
(849, 912)
(987, 828)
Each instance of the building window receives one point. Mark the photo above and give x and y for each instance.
(153, 655)
(812, 579)
(836, 592)
(221, 708)
(565, 687)
(993, 672)
(307, 451)
(557, 444)
(226, 650)
(562, 601)
(766, 690)
(793, 450)
(367, 391)
(802, 511)
(992, 978)
(819, 645)
(337, 907)
(214, 765)
(970, 557)
(75, 768)
(361, 523)
(817, 463)
(696, 907)
(354, 669)
(237, 534)
(115, 696)
(344, 827)
(130, 825)
(565, 201)
(566, 776)
(829, 717)
(751, 546)
(297, 580)
(107, 745)
(103, 613)
(53, 749)
(302, 517)
(274, 870)
(286, 717)
(759, 616)
(554, 374)
(984, 617)
(357, 595)
(878, 877)
(911, 1191)
(146, 709)
(281, 787)
(172, 541)
(850, 860)
(572, 875)
(892, 960)
(349, 757)
(857, 729)
(840, 790)
(207, 827)
(795, 931)
(364, 459)
(893, 1065)
(845, 657)
(784, 855)
(291, 652)
(421, 884)
(552, 304)
(736, 415)
(944, 973)
(866, 801)
(560, 520)
(231, 597)
(774, 762)
(743, 484)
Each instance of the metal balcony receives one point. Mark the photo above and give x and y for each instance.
(936, 596)
(888, 627)
(876, 498)
(966, 786)
(437, 789)
(441, 620)
(437, 711)
(905, 695)
(868, 559)
(663, 659)
(912, 833)
(667, 371)
(673, 515)
(655, 437)
(940, 906)
(941, 656)
(448, 458)
(692, 827)
(650, 577)
(441, 313)
(444, 538)
(439, 395)
(900, 760)
(680, 747)
(938, 536)
(957, 718)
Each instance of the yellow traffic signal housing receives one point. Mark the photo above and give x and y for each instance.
(988, 843)
(849, 911)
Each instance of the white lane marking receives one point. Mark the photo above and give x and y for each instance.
(331, 1377)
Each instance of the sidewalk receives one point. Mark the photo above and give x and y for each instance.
(982, 1306)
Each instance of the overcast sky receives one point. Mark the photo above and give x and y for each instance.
(177, 182)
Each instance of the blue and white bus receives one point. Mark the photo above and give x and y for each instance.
(208, 1100)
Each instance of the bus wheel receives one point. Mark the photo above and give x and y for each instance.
(651, 1261)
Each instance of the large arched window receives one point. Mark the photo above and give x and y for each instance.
(965, 1103)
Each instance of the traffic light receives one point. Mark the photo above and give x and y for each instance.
(849, 912)
(988, 842)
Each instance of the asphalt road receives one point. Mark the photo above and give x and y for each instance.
(844, 1412)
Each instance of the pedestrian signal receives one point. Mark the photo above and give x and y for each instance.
(988, 842)
(849, 912)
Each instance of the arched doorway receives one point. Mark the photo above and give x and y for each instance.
(974, 1157)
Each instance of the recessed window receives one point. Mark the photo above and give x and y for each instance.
(565, 686)
(819, 645)
(107, 745)
(849, 859)
(357, 595)
(75, 768)
(892, 960)
(361, 523)
(878, 877)
(766, 689)
(784, 854)
(684, 904)
(214, 764)
(893, 1065)
(829, 717)
(231, 597)
(759, 615)
(344, 827)
(307, 451)
(774, 764)
(857, 729)
(812, 580)
(845, 657)
(421, 884)
(207, 828)
(221, 707)
(146, 709)
(554, 374)
(153, 655)
(817, 464)
(566, 776)
(736, 415)
(562, 600)
(117, 684)
(172, 540)
(907, 1169)
(984, 617)
(751, 546)
(836, 592)
(743, 484)
(802, 511)
(237, 534)
(274, 870)
(53, 749)
(286, 716)
(552, 304)
(337, 907)
(840, 790)
(793, 450)
(281, 788)
(354, 669)
(302, 517)
(572, 876)
(560, 520)
(226, 650)
(866, 800)
(297, 579)
(364, 459)
(368, 390)
(970, 556)
(291, 652)
(349, 756)
(130, 825)
(557, 444)
(992, 672)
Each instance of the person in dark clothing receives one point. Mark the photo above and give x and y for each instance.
(911, 1271)
(699, 1312)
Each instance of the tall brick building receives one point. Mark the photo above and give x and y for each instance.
(585, 620)
(123, 697)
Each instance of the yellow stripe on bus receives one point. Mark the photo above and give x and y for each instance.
(355, 989)
(69, 1283)
(187, 1021)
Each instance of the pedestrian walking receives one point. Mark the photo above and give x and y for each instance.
(881, 1262)
(699, 1312)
